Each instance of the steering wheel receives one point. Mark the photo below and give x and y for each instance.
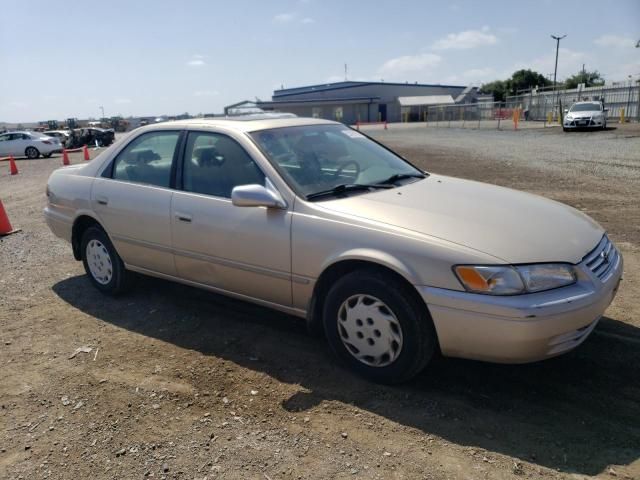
(342, 167)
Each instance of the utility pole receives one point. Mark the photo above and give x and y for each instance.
(102, 108)
(345, 72)
(557, 38)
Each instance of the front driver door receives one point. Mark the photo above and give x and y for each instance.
(244, 250)
(133, 201)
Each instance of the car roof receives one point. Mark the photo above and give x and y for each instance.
(19, 131)
(247, 123)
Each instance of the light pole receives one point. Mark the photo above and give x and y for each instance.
(102, 108)
(557, 38)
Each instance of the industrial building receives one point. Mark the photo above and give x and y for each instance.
(350, 102)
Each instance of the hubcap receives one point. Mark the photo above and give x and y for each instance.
(370, 330)
(99, 262)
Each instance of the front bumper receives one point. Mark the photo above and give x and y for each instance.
(585, 122)
(521, 328)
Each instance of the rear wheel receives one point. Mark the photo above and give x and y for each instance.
(32, 152)
(376, 326)
(102, 263)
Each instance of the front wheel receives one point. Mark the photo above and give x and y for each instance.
(377, 326)
(32, 153)
(102, 263)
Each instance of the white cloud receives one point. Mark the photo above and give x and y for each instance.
(615, 41)
(205, 93)
(197, 60)
(467, 39)
(122, 101)
(292, 17)
(416, 64)
(569, 62)
(284, 17)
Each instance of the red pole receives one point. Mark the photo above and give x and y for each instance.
(85, 150)
(65, 157)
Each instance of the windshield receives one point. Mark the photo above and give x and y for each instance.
(585, 107)
(316, 158)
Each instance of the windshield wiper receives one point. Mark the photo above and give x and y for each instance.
(346, 187)
(400, 176)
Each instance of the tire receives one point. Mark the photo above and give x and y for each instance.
(398, 319)
(31, 153)
(103, 265)
(565, 129)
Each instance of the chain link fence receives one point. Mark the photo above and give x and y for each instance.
(476, 115)
(622, 102)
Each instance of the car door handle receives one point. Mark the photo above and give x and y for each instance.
(102, 200)
(183, 217)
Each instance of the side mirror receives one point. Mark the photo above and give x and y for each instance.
(256, 196)
(606, 109)
(566, 110)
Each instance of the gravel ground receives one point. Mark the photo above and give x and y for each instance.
(614, 153)
(183, 384)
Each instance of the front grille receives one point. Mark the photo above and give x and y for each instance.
(602, 259)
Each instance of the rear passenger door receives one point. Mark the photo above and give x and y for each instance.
(133, 200)
(244, 250)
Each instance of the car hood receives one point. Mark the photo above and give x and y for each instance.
(585, 113)
(514, 226)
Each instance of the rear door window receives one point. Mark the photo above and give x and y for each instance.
(148, 159)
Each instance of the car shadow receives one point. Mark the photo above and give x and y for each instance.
(577, 413)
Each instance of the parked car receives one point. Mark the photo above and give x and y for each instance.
(585, 115)
(61, 135)
(28, 144)
(315, 219)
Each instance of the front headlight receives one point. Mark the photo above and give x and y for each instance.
(508, 280)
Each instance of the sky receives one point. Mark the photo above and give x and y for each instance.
(67, 59)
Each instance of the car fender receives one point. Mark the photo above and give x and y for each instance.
(374, 256)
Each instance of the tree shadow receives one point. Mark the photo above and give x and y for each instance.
(577, 413)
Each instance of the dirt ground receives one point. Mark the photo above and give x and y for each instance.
(185, 384)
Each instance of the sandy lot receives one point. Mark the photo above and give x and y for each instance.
(185, 384)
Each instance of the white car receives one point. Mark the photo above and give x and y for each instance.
(28, 144)
(61, 135)
(585, 115)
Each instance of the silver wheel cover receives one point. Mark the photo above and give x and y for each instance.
(369, 330)
(99, 262)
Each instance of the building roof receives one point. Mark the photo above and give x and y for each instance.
(348, 84)
(314, 101)
(425, 100)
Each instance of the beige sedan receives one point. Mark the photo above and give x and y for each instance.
(317, 220)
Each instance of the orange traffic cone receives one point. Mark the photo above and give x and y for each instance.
(65, 157)
(13, 168)
(85, 150)
(5, 224)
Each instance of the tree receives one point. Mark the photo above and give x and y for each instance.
(590, 79)
(527, 79)
(520, 80)
(497, 88)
